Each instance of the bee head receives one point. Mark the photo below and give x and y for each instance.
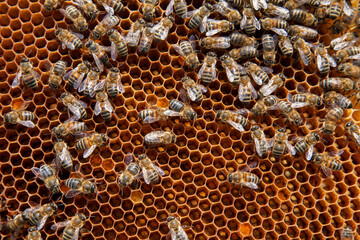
(341, 67)
(211, 54)
(294, 38)
(47, 7)
(81, 216)
(54, 206)
(24, 60)
(58, 31)
(95, 35)
(209, 7)
(25, 216)
(349, 124)
(185, 78)
(193, 116)
(229, 177)
(116, 70)
(317, 136)
(88, 43)
(256, 127)
(104, 138)
(148, 16)
(231, 26)
(298, 122)
(122, 181)
(93, 188)
(141, 21)
(282, 130)
(170, 218)
(142, 156)
(32, 229)
(95, 69)
(87, 64)
(110, 32)
(223, 57)
(316, 4)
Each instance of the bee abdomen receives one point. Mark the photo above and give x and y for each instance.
(250, 29)
(278, 150)
(28, 116)
(186, 47)
(301, 147)
(68, 233)
(30, 81)
(206, 76)
(176, 105)
(180, 9)
(73, 183)
(106, 115)
(334, 165)
(76, 41)
(83, 144)
(194, 22)
(154, 177)
(134, 168)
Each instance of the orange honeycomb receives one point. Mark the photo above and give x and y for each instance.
(293, 201)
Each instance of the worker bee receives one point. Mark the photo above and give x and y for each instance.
(179, 6)
(75, 76)
(285, 46)
(103, 105)
(146, 38)
(276, 82)
(267, 103)
(186, 50)
(243, 52)
(15, 224)
(213, 27)
(331, 119)
(112, 83)
(306, 99)
(69, 39)
(215, 42)
(27, 74)
(148, 9)
(234, 118)
(239, 39)
(293, 4)
(176, 230)
(207, 72)
(303, 17)
(277, 11)
(181, 109)
(98, 53)
(161, 30)
(347, 234)
(64, 129)
(261, 144)
(63, 157)
(277, 25)
(280, 143)
(104, 26)
(269, 54)
(88, 7)
(150, 171)
(194, 90)
(112, 6)
(246, 89)
(56, 74)
(244, 178)
(259, 74)
(334, 98)
(303, 49)
(131, 172)
(75, 16)
(37, 216)
(307, 145)
(74, 105)
(323, 59)
(118, 44)
(224, 8)
(302, 32)
(349, 70)
(79, 186)
(321, 13)
(133, 36)
(337, 7)
(156, 138)
(347, 53)
(291, 114)
(199, 16)
(327, 161)
(337, 83)
(153, 114)
(91, 80)
(34, 234)
(344, 41)
(72, 227)
(257, 4)
(354, 131)
(20, 116)
(89, 143)
(51, 4)
(249, 22)
(232, 69)
(47, 173)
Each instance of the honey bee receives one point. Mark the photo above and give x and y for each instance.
(259, 74)
(243, 52)
(293, 4)
(186, 50)
(337, 7)
(79, 186)
(150, 171)
(224, 8)
(63, 157)
(148, 9)
(285, 46)
(64, 129)
(38, 215)
(146, 38)
(246, 89)
(331, 119)
(194, 90)
(27, 74)
(88, 7)
(303, 49)
(334, 98)
(51, 4)
(327, 162)
(112, 83)
(232, 69)
(277, 11)
(291, 114)
(131, 172)
(47, 173)
(337, 83)
(276, 2)
(306, 99)
(354, 132)
(34, 234)
(98, 53)
(347, 234)
(280, 143)
(261, 144)
(161, 30)
(69, 39)
(239, 39)
(74, 105)
(103, 105)
(344, 41)
(269, 54)
(302, 32)
(244, 178)
(323, 59)
(112, 6)
(118, 44)
(303, 17)
(156, 138)
(72, 227)
(276, 82)
(267, 103)
(213, 27)
(257, 4)
(207, 72)
(89, 143)
(20, 116)
(56, 74)
(234, 118)
(133, 36)
(249, 22)
(347, 54)
(15, 224)
(153, 114)
(91, 80)
(75, 16)
(215, 42)
(198, 17)
(181, 109)
(307, 145)
(176, 230)
(179, 6)
(277, 25)
(75, 76)
(104, 26)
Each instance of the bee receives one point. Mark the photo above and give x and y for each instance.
(79, 186)
(267, 103)
(103, 105)
(269, 54)
(112, 6)
(118, 44)
(276, 2)
(349, 70)
(50, 5)
(15, 225)
(153, 114)
(104, 26)
(75, 76)
(56, 74)
(306, 99)
(224, 8)
(179, 6)
(38, 215)
(75, 16)
(249, 22)
(276, 82)
(146, 38)
(331, 119)
(112, 83)
(74, 105)
(344, 41)
(323, 59)
(199, 16)
(176, 230)
(88, 7)
(150, 171)
(213, 27)
(234, 118)
(280, 143)
(337, 7)
(63, 157)
(291, 114)
(261, 144)
(246, 89)
(64, 129)
(277, 25)
(293, 4)
(354, 131)
(69, 39)
(327, 162)
(161, 30)
(302, 32)
(215, 42)
(47, 173)
(259, 74)
(207, 72)
(20, 116)
(347, 234)
(232, 69)
(244, 178)
(303, 49)
(181, 109)
(194, 90)
(337, 83)
(303, 17)
(285, 46)
(133, 36)
(91, 80)
(257, 4)
(236, 3)
(239, 39)
(334, 98)
(347, 53)
(156, 138)
(277, 11)
(98, 53)
(89, 143)
(186, 50)
(27, 74)
(131, 172)
(72, 227)
(148, 9)
(321, 13)
(307, 145)
(243, 52)
(34, 234)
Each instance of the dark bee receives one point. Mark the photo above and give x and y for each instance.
(291, 114)
(75, 16)
(327, 162)
(331, 119)
(56, 74)
(303, 17)
(27, 74)
(334, 98)
(199, 16)
(267, 103)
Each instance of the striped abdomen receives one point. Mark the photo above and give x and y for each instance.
(47, 171)
(106, 115)
(73, 12)
(278, 150)
(186, 47)
(75, 40)
(115, 4)
(301, 146)
(29, 80)
(176, 105)
(251, 178)
(333, 164)
(239, 119)
(83, 144)
(112, 89)
(148, 112)
(69, 232)
(73, 183)
(180, 8)
(134, 168)
(195, 21)
(26, 115)
(250, 27)
(73, 78)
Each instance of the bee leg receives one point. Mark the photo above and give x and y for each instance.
(318, 172)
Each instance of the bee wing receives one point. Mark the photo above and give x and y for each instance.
(110, 10)
(41, 224)
(341, 45)
(75, 111)
(79, 3)
(89, 151)
(69, 45)
(309, 153)
(16, 81)
(241, 92)
(100, 85)
(65, 155)
(120, 87)
(150, 119)
(229, 74)
(319, 64)
(213, 71)
(347, 9)
(243, 22)
(76, 234)
(171, 113)
(158, 169)
(213, 32)
(327, 171)
(178, 50)
(156, 27)
(128, 158)
(281, 12)
(267, 89)
(190, 13)
(113, 51)
(64, 12)
(28, 124)
(183, 234)
(257, 79)
(255, 4)
(67, 75)
(191, 94)
(267, 69)
(173, 234)
(299, 104)
(201, 71)
(56, 226)
(331, 60)
(237, 126)
(279, 31)
(72, 193)
(258, 147)
(253, 91)
(78, 81)
(263, 4)
(271, 142)
(97, 108)
(357, 137)
(303, 57)
(82, 85)
(169, 8)
(202, 88)
(290, 148)
(108, 106)
(146, 176)
(79, 35)
(354, 57)
(165, 33)
(257, 23)
(250, 185)
(203, 24)
(98, 63)
(36, 171)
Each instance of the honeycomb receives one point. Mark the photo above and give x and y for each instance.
(293, 201)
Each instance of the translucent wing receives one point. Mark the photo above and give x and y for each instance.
(201, 71)
(258, 147)
(267, 69)
(72, 193)
(63, 45)
(357, 137)
(169, 8)
(299, 104)
(327, 171)
(341, 45)
(36, 171)
(128, 158)
(41, 224)
(173, 234)
(263, 4)
(303, 57)
(183, 234)
(158, 169)
(255, 4)
(113, 51)
(65, 155)
(120, 87)
(190, 13)
(99, 64)
(253, 91)
(156, 27)
(309, 153)
(16, 81)
(76, 234)
(150, 119)
(256, 78)
(100, 85)
(241, 92)
(82, 85)
(63, 12)
(178, 50)
(97, 108)
(83, 104)
(67, 75)
(110, 10)
(171, 113)
(250, 185)
(89, 151)
(243, 22)
(256, 23)
(70, 45)
(290, 148)
(279, 31)
(60, 225)
(319, 64)
(29, 124)
(75, 111)
(146, 176)
(281, 12)
(354, 57)
(191, 94)
(203, 24)
(271, 142)
(109, 107)
(78, 81)
(229, 74)
(331, 60)
(213, 32)
(202, 88)
(347, 9)
(213, 71)
(237, 126)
